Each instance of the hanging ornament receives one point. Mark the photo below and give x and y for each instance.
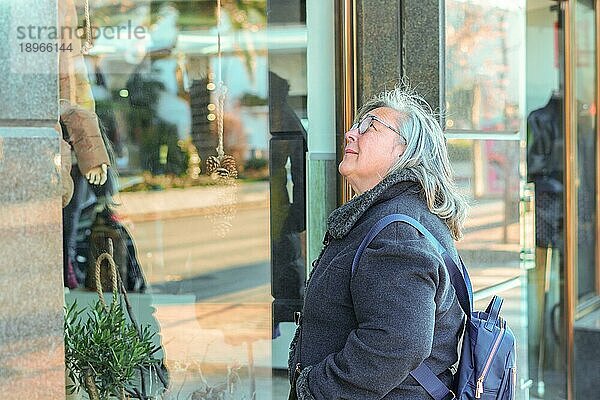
(87, 46)
(221, 166)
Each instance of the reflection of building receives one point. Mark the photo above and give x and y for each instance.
(221, 301)
(183, 70)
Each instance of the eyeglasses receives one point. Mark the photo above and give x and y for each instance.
(367, 121)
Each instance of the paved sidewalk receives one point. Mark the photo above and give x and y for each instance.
(198, 200)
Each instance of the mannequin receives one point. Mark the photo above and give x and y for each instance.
(98, 175)
(83, 154)
(545, 154)
(83, 131)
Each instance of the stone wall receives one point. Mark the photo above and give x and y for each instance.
(31, 296)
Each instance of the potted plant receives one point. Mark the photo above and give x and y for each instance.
(103, 351)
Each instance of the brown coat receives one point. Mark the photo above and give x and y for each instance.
(77, 106)
(73, 78)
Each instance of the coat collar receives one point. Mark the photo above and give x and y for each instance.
(343, 218)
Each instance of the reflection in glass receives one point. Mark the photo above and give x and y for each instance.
(487, 172)
(585, 96)
(484, 43)
(586, 328)
(545, 170)
(287, 157)
(202, 248)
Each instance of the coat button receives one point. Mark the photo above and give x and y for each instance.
(297, 317)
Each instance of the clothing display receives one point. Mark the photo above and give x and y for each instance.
(545, 163)
(77, 105)
(78, 129)
(71, 215)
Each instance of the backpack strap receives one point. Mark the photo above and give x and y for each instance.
(431, 383)
(458, 277)
(493, 311)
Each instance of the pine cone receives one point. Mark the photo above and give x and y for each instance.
(229, 164)
(222, 172)
(212, 163)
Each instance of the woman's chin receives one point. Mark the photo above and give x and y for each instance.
(344, 168)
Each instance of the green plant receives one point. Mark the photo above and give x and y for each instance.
(249, 100)
(103, 351)
(256, 163)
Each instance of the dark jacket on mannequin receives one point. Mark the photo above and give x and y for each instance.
(545, 142)
(545, 166)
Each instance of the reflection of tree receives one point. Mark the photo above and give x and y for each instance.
(247, 17)
(160, 150)
(244, 17)
(234, 138)
(193, 15)
(477, 66)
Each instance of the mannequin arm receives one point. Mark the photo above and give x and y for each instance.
(97, 175)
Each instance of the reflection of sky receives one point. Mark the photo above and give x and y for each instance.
(239, 81)
(175, 110)
(256, 125)
(236, 47)
(204, 42)
(164, 71)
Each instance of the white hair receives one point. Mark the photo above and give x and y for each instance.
(426, 155)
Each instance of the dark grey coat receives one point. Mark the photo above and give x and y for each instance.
(362, 334)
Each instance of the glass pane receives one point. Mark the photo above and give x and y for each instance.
(487, 172)
(586, 329)
(545, 170)
(203, 256)
(585, 97)
(483, 78)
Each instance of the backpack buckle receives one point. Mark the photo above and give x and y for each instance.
(448, 397)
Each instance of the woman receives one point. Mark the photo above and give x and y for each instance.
(361, 334)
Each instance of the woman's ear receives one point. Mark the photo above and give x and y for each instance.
(402, 150)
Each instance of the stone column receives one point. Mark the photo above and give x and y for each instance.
(31, 295)
(423, 46)
(400, 39)
(378, 47)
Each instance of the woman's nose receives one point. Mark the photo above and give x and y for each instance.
(350, 135)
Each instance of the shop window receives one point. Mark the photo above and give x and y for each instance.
(204, 110)
(483, 65)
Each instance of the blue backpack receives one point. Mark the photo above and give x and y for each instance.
(487, 367)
